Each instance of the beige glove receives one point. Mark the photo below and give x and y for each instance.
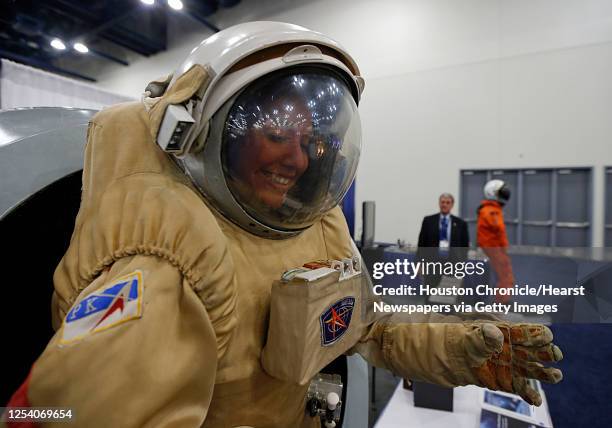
(452, 351)
(511, 354)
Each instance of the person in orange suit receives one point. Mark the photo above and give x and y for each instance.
(491, 232)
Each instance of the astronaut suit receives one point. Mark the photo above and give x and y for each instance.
(492, 237)
(183, 299)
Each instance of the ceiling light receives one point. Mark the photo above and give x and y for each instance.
(58, 44)
(80, 47)
(148, 2)
(175, 4)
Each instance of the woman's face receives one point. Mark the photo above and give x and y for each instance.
(275, 156)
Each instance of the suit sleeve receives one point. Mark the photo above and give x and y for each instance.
(421, 243)
(466, 232)
(153, 365)
(465, 240)
(430, 348)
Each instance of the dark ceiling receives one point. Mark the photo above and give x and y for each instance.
(109, 28)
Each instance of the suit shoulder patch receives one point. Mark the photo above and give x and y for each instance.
(111, 305)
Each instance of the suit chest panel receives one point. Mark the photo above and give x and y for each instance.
(258, 263)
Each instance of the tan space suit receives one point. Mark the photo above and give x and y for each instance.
(183, 299)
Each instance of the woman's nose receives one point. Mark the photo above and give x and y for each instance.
(294, 155)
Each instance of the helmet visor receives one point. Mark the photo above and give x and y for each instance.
(504, 193)
(291, 145)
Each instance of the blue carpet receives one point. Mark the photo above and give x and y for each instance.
(584, 397)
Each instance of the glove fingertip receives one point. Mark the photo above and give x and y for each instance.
(547, 334)
(493, 337)
(557, 353)
(557, 376)
(532, 396)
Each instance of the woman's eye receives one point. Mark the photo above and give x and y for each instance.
(276, 138)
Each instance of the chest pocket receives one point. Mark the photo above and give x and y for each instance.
(312, 322)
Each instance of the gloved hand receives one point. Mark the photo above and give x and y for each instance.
(512, 353)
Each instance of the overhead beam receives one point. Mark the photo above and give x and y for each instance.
(103, 28)
(108, 56)
(201, 20)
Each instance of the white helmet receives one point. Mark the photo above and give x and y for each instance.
(276, 136)
(497, 190)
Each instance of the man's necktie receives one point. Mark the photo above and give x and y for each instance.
(443, 228)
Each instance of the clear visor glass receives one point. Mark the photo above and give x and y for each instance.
(291, 145)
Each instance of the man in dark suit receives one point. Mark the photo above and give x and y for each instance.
(444, 237)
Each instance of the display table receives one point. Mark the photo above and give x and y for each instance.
(498, 409)
(401, 413)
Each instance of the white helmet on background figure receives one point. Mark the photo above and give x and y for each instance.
(497, 190)
(276, 135)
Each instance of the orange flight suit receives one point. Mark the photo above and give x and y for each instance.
(492, 238)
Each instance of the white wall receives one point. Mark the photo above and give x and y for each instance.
(452, 84)
(529, 111)
(24, 86)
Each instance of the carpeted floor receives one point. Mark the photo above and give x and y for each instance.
(584, 397)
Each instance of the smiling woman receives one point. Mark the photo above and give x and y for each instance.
(275, 157)
(289, 145)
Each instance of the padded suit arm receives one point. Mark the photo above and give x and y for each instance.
(154, 370)
(420, 347)
(450, 351)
